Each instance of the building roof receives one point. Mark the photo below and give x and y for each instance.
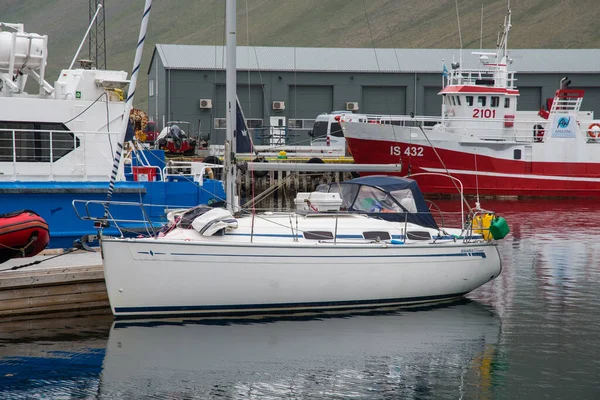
(305, 59)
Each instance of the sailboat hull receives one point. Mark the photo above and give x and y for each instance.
(146, 277)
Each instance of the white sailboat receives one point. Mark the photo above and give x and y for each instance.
(315, 258)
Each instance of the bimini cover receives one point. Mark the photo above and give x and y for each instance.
(387, 197)
(213, 221)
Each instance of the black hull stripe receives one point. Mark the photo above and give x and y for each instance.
(253, 309)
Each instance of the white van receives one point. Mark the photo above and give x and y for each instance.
(327, 128)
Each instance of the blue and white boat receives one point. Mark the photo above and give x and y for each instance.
(58, 144)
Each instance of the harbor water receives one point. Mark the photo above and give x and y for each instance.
(532, 333)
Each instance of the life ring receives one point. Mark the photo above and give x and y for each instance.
(209, 173)
(593, 134)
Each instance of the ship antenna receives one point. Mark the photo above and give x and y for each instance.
(85, 36)
(481, 31)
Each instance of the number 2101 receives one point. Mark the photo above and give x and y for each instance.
(484, 113)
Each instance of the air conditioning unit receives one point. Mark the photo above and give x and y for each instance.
(352, 106)
(278, 105)
(205, 103)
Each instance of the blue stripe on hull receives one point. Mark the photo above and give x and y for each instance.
(469, 254)
(253, 309)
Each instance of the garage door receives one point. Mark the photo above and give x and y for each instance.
(308, 101)
(384, 100)
(432, 102)
(251, 100)
(530, 98)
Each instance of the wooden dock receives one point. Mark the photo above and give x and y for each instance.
(69, 283)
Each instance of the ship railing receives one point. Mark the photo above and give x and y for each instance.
(36, 152)
(567, 101)
(493, 76)
(526, 130)
(194, 171)
(127, 217)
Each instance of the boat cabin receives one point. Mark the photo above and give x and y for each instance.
(390, 198)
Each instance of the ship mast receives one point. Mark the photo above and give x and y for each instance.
(230, 84)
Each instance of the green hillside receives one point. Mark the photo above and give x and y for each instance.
(305, 23)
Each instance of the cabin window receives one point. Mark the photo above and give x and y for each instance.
(418, 235)
(452, 102)
(495, 101)
(517, 154)
(370, 199)
(458, 100)
(318, 235)
(375, 235)
(469, 100)
(35, 142)
(506, 102)
(406, 199)
(481, 101)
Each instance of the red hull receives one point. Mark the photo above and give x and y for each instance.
(22, 234)
(484, 175)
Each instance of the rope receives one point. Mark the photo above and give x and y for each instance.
(444, 165)
(38, 261)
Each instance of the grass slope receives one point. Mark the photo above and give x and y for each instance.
(305, 23)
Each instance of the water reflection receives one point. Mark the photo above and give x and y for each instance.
(548, 299)
(444, 351)
(530, 333)
(52, 358)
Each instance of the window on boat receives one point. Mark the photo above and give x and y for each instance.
(469, 100)
(336, 130)
(452, 102)
(406, 199)
(318, 235)
(320, 129)
(418, 235)
(458, 100)
(481, 101)
(35, 142)
(375, 235)
(495, 101)
(370, 199)
(506, 102)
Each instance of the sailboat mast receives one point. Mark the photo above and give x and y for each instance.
(230, 84)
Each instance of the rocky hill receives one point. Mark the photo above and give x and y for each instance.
(307, 23)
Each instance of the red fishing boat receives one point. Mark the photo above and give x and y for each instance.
(22, 234)
(483, 140)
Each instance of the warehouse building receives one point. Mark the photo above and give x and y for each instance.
(283, 89)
